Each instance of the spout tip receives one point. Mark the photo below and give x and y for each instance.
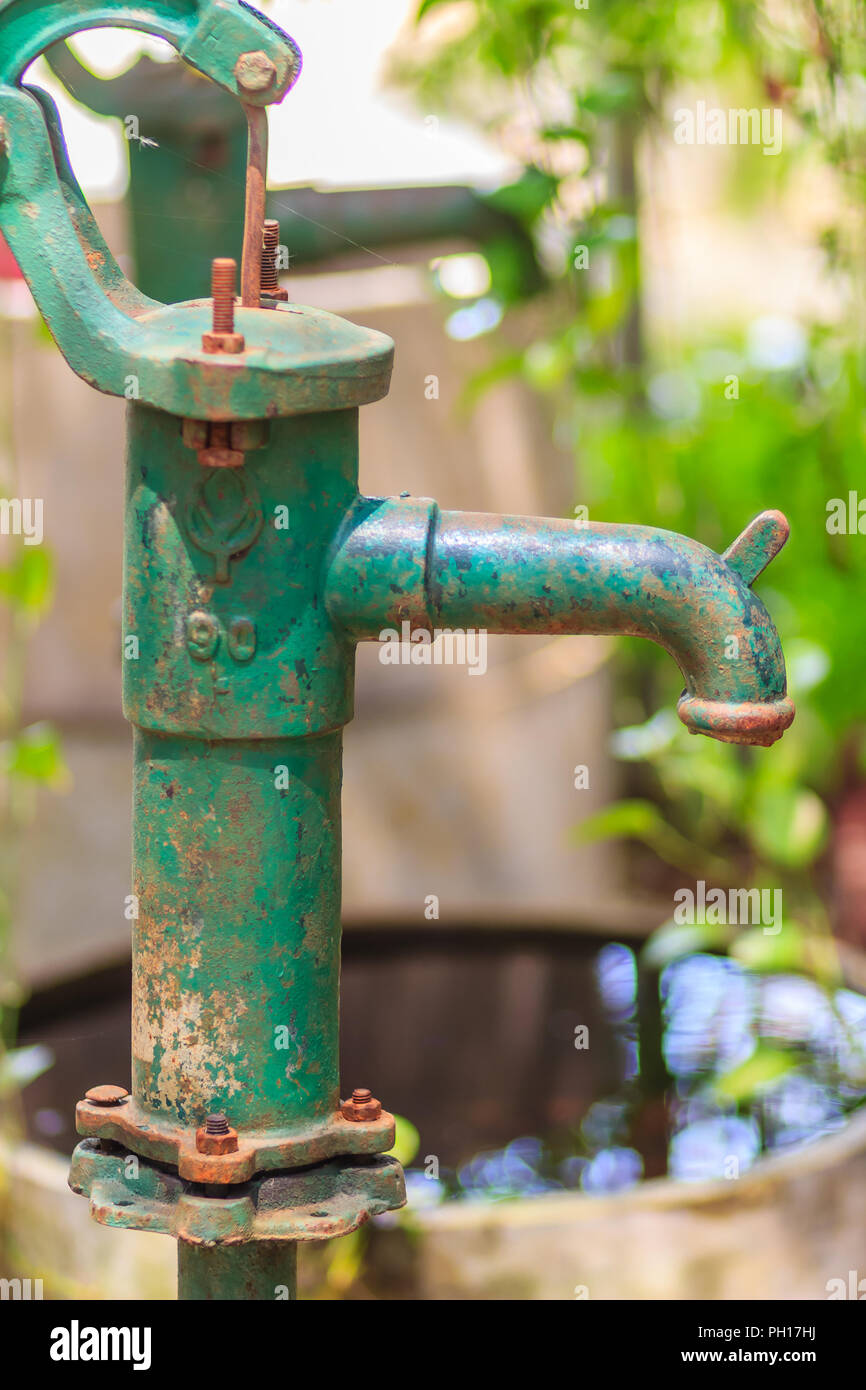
(747, 722)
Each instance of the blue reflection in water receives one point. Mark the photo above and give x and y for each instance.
(616, 980)
(612, 1170)
(708, 1004)
(720, 1147)
(714, 1015)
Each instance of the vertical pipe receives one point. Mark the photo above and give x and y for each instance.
(236, 945)
(256, 1271)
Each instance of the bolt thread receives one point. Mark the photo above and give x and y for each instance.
(361, 1095)
(216, 1124)
(223, 278)
(270, 248)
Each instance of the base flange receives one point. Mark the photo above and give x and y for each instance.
(315, 1203)
(166, 1142)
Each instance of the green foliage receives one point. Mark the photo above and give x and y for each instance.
(700, 435)
(406, 1141)
(30, 758)
(35, 755)
(756, 1074)
(27, 582)
(696, 434)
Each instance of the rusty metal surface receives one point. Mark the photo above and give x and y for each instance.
(362, 1105)
(254, 205)
(443, 570)
(106, 1095)
(314, 1203)
(257, 1271)
(175, 1144)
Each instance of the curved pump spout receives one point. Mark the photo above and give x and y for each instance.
(403, 559)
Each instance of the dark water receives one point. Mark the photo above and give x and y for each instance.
(669, 1115)
(530, 1062)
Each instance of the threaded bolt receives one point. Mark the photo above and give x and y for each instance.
(363, 1106)
(223, 337)
(223, 282)
(216, 1136)
(270, 281)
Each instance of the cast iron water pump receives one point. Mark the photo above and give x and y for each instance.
(252, 568)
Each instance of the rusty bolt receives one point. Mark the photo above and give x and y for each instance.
(223, 338)
(216, 1136)
(218, 452)
(362, 1106)
(270, 248)
(106, 1095)
(255, 72)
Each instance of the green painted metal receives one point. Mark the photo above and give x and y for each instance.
(210, 35)
(405, 561)
(317, 1202)
(287, 503)
(246, 591)
(254, 1272)
(297, 359)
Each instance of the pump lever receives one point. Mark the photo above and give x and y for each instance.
(94, 313)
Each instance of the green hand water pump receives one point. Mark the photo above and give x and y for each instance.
(252, 568)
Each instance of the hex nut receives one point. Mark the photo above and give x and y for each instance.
(222, 342)
(255, 72)
(362, 1106)
(216, 1143)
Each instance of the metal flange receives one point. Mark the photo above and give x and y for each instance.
(163, 1141)
(316, 1203)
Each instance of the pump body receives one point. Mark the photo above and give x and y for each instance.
(253, 566)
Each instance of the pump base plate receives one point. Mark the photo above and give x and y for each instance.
(167, 1142)
(316, 1203)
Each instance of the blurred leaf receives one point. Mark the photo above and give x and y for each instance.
(642, 820)
(27, 584)
(406, 1141)
(36, 755)
(345, 1260)
(619, 92)
(791, 950)
(527, 197)
(759, 1073)
(788, 824)
(674, 939)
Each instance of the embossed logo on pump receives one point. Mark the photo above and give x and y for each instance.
(224, 518)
